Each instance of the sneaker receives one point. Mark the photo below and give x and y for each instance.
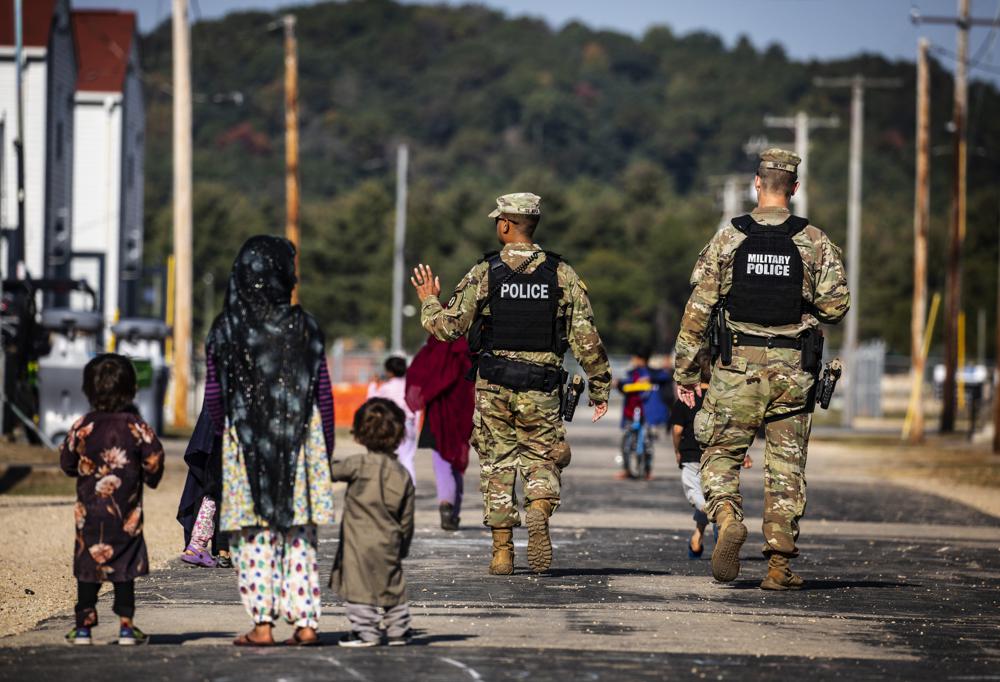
(401, 640)
(79, 637)
(353, 639)
(224, 561)
(131, 636)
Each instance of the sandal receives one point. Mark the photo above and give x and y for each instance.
(296, 640)
(197, 557)
(246, 640)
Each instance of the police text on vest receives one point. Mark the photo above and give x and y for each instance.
(529, 291)
(768, 264)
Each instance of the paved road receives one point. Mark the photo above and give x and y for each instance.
(899, 585)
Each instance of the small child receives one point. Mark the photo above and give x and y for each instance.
(112, 452)
(376, 529)
(688, 452)
(394, 389)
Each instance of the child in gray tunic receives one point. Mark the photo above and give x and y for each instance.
(376, 530)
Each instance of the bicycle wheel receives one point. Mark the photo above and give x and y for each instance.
(634, 459)
(628, 449)
(647, 459)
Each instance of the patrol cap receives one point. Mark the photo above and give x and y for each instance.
(780, 159)
(519, 203)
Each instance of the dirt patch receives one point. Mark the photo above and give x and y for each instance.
(946, 466)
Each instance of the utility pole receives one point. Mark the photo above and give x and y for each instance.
(182, 212)
(732, 199)
(857, 83)
(956, 229)
(996, 386)
(801, 123)
(402, 161)
(292, 140)
(15, 246)
(921, 221)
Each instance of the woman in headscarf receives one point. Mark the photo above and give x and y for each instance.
(436, 383)
(268, 391)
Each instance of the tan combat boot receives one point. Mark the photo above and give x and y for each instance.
(779, 575)
(732, 535)
(503, 552)
(539, 544)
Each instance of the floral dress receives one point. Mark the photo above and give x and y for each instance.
(112, 455)
(313, 489)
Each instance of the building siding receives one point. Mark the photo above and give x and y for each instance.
(34, 83)
(132, 184)
(59, 147)
(96, 196)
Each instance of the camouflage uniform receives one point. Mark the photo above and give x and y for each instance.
(521, 431)
(760, 385)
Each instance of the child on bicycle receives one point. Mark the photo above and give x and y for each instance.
(643, 411)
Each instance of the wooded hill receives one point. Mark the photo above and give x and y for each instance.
(622, 138)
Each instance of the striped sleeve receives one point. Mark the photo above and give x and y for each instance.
(324, 401)
(213, 396)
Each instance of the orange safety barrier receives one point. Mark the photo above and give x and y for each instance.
(347, 398)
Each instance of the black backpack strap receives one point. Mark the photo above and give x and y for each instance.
(552, 260)
(489, 256)
(795, 224)
(742, 223)
(495, 261)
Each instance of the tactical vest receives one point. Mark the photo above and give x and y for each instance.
(767, 273)
(524, 308)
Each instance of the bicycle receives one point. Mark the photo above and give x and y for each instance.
(637, 447)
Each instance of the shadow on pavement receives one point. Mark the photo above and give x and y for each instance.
(12, 476)
(189, 637)
(420, 640)
(559, 572)
(830, 585)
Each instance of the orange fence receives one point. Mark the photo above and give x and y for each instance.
(347, 398)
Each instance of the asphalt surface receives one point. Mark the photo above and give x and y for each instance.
(899, 585)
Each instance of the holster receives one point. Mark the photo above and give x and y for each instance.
(720, 340)
(519, 376)
(812, 362)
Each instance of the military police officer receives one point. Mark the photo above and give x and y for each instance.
(523, 308)
(773, 278)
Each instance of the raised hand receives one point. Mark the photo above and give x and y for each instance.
(425, 282)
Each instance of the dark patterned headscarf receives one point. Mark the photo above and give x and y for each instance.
(268, 354)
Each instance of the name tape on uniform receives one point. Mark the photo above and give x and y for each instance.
(768, 264)
(529, 291)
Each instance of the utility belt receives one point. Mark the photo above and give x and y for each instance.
(809, 342)
(767, 341)
(520, 376)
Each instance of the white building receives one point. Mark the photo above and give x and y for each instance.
(49, 84)
(108, 159)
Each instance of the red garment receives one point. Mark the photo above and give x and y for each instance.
(435, 382)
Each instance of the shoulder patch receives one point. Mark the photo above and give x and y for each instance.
(452, 300)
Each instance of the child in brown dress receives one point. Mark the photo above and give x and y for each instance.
(376, 529)
(111, 452)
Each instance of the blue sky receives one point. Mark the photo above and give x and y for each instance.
(806, 28)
